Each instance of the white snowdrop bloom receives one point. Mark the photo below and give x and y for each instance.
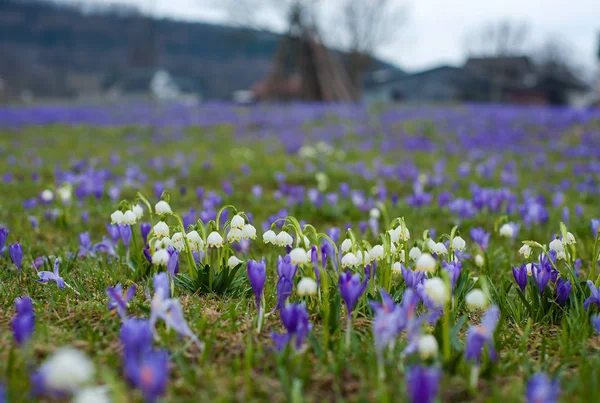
(529, 267)
(375, 213)
(284, 239)
(306, 286)
(237, 222)
(138, 211)
(426, 262)
(269, 237)
(556, 246)
(476, 299)
(458, 243)
(298, 256)
(117, 217)
(162, 207)
(395, 234)
(214, 240)
(47, 196)
(346, 245)
(561, 255)
(506, 230)
(129, 218)
(440, 249)
(195, 240)
(430, 245)
(98, 394)
(164, 243)
(397, 268)
(161, 229)
(362, 258)
(233, 261)
(401, 256)
(349, 260)
(414, 253)
(436, 289)
(570, 239)
(404, 234)
(479, 261)
(428, 346)
(65, 193)
(178, 242)
(376, 253)
(525, 251)
(393, 248)
(160, 257)
(67, 370)
(234, 235)
(248, 231)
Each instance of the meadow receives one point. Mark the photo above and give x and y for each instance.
(299, 253)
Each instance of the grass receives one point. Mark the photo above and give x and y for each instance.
(238, 364)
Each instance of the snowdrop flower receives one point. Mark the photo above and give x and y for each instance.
(395, 234)
(117, 217)
(525, 251)
(401, 256)
(561, 255)
(65, 193)
(349, 260)
(65, 371)
(440, 249)
(458, 243)
(375, 213)
(162, 207)
(346, 245)
(129, 218)
(161, 229)
(428, 347)
(570, 239)
(299, 256)
(47, 196)
(479, 261)
(234, 235)
(178, 242)
(415, 253)
(436, 289)
(476, 299)
(248, 231)
(362, 258)
(98, 394)
(306, 286)
(233, 261)
(397, 268)
(430, 245)
(284, 239)
(306, 242)
(214, 240)
(164, 243)
(376, 253)
(529, 267)
(237, 222)
(195, 240)
(507, 230)
(556, 245)
(138, 211)
(270, 237)
(160, 257)
(404, 234)
(426, 262)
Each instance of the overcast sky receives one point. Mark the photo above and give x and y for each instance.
(436, 29)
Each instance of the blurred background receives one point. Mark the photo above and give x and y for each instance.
(246, 51)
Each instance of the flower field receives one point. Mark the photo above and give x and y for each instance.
(299, 253)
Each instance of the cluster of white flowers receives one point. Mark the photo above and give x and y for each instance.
(195, 241)
(129, 217)
(400, 233)
(281, 239)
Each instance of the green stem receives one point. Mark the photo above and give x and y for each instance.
(348, 331)
(188, 249)
(446, 332)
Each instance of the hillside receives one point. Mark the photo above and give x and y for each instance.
(58, 51)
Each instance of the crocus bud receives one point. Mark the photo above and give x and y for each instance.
(307, 286)
(162, 207)
(428, 347)
(214, 240)
(161, 229)
(476, 299)
(16, 254)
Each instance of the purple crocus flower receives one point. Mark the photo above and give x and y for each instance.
(16, 255)
(454, 269)
(118, 299)
(47, 276)
(480, 336)
(595, 223)
(520, 274)
(541, 275)
(295, 321)
(106, 246)
(422, 383)
(435, 311)
(596, 322)
(577, 266)
(125, 233)
(386, 323)
(314, 258)
(23, 323)
(351, 288)
(480, 237)
(3, 236)
(161, 285)
(113, 232)
(285, 284)
(541, 389)
(85, 245)
(563, 290)
(594, 298)
(173, 262)
(257, 275)
(334, 234)
(145, 229)
(412, 278)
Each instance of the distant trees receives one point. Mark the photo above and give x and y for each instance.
(498, 38)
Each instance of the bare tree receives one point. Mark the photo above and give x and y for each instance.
(555, 57)
(498, 38)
